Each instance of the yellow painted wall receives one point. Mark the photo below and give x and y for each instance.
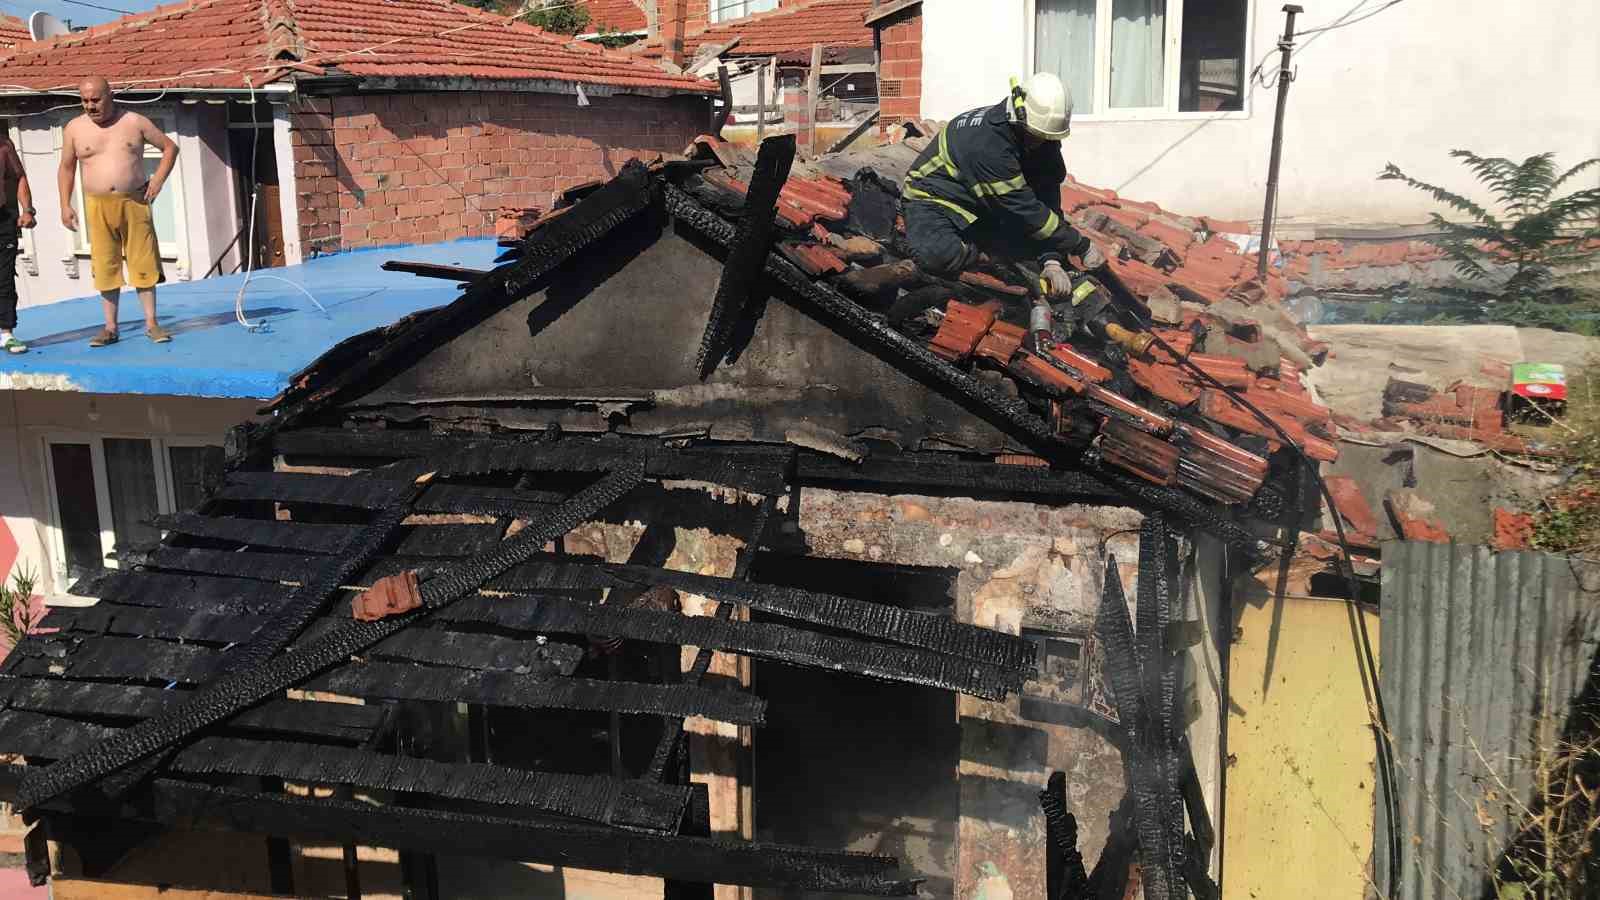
(1300, 768)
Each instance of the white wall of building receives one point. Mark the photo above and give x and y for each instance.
(30, 418)
(51, 268)
(1407, 85)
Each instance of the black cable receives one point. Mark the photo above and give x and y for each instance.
(1385, 749)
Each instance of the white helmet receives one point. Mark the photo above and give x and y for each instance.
(1048, 103)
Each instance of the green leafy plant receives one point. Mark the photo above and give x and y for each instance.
(1529, 227)
(16, 604)
(1568, 521)
(562, 18)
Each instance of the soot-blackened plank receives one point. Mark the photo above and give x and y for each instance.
(123, 657)
(384, 444)
(918, 629)
(239, 564)
(308, 537)
(806, 648)
(486, 501)
(201, 593)
(349, 722)
(597, 799)
(393, 681)
(301, 487)
(461, 650)
(48, 737)
(446, 540)
(145, 621)
(578, 845)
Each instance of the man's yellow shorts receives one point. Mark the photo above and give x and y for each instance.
(121, 228)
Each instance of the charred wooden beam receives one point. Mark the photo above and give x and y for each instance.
(434, 270)
(805, 648)
(247, 687)
(747, 253)
(276, 567)
(351, 722)
(1065, 878)
(682, 858)
(198, 593)
(609, 801)
(941, 634)
(390, 681)
(301, 487)
(304, 536)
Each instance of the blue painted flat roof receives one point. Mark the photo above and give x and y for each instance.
(211, 354)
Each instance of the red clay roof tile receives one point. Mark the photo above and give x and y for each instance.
(615, 15)
(13, 31)
(218, 43)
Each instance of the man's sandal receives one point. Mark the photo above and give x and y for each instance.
(105, 338)
(158, 335)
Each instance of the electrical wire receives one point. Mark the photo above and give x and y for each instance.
(250, 246)
(1381, 733)
(1342, 24)
(124, 12)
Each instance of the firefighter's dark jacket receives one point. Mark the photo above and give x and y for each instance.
(979, 171)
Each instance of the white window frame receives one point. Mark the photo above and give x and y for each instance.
(1100, 110)
(171, 251)
(716, 16)
(161, 470)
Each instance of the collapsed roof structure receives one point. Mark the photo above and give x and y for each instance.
(398, 532)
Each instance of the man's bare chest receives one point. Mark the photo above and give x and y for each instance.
(112, 142)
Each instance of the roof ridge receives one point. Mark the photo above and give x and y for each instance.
(282, 30)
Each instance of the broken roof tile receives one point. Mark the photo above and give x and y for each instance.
(787, 33)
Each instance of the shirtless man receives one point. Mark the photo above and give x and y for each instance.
(110, 143)
(16, 212)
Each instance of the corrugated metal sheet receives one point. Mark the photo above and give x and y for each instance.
(1479, 650)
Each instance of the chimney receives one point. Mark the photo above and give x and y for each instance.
(674, 13)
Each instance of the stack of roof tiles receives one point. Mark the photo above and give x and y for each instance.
(787, 33)
(237, 43)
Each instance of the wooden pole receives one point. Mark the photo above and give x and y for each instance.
(761, 101)
(813, 86)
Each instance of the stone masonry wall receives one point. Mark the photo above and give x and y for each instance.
(427, 167)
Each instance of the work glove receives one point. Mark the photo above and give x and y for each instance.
(1054, 280)
(1092, 258)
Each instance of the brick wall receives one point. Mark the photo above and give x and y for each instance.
(900, 66)
(420, 168)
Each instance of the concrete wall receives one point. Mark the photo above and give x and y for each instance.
(1406, 86)
(26, 417)
(422, 168)
(50, 268)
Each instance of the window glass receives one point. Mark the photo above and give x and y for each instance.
(1064, 44)
(73, 465)
(727, 10)
(1211, 77)
(1138, 53)
(131, 479)
(192, 469)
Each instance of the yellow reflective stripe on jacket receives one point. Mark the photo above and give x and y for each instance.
(919, 194)
(1048, 228)
(944, 154)
(998, 188)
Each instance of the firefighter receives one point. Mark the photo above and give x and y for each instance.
(993, 177)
